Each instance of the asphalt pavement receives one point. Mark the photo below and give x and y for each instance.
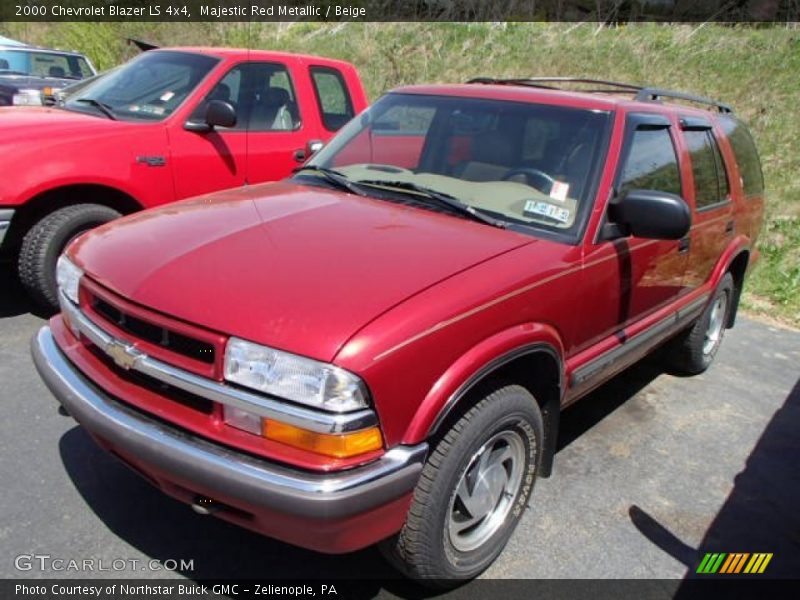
(653, 471)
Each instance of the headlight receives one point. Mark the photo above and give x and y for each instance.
(27, 98)
(293, 377)
(68, 277)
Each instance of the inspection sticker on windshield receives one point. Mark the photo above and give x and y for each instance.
(559, 190)
(557, 213)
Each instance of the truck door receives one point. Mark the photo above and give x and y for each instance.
(208, 161)
(712, 218)
(281, 120)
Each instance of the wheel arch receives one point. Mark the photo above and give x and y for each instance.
(536, 366)
(43, 203)
(737, 267)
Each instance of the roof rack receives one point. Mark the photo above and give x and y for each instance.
(642, 93)
(655, 95)
(542, 82)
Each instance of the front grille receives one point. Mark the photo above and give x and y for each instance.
(187, 399)
(154, 334)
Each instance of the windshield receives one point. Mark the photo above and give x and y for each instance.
(528, 165)
(148, 88)
(44, 64)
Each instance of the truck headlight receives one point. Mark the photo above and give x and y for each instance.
(293, 377)
(68, 277)
(27, 98)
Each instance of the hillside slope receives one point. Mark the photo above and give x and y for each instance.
(756, 70)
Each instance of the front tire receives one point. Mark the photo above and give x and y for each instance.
(45, 241)
(473, 491)
(693, 351)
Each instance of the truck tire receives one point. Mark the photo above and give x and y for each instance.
(693, 351)
(45, 241)
(472, 492)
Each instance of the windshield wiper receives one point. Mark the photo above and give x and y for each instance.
(104, 108)
(446, 200)
(334, 177)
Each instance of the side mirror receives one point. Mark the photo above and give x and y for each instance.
(218, 114)
(650, 214)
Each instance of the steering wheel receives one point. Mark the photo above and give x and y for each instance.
(538, 179)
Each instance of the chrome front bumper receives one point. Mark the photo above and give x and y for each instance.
(5, 222)
(248, 480)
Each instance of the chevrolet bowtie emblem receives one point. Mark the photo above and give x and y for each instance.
(124, 356)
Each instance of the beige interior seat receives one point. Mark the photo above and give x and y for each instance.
(492, 157)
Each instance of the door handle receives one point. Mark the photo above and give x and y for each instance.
(683, 245)
(300, 154)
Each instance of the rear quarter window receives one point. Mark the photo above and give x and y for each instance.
(744, 148)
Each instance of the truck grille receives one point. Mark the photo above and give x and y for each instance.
(165, 338)
(187, 399)
(158, 336)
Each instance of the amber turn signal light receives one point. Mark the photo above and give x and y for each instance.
(338, 445)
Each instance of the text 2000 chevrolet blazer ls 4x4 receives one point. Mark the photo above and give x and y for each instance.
(378, 349)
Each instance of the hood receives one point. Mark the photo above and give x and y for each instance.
(294, 267)
(31, 82)
(25, 124)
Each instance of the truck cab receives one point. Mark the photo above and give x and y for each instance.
(170, 124)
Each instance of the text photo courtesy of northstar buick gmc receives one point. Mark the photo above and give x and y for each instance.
(378, 349)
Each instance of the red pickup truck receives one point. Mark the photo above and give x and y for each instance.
(379, 349)
(167, 125)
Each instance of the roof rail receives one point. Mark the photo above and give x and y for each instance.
(655, 95)
(542, 82)
(642, 93)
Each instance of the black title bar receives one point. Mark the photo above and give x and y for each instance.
(601, 11)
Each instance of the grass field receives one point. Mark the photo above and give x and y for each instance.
(755, 69)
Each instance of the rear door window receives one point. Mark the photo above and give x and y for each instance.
(333, 98)
(708, 169)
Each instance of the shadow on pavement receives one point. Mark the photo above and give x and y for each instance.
(13, 299)
(761, 513)
(163, 528)
(578, 418)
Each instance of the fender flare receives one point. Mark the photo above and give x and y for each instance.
(53, 186)
(480, 362)
(735, 248)
(739, 246)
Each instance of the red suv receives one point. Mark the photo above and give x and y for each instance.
(378, 349)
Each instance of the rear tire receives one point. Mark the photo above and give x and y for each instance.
(45, 241)
(693, 351)
(473, 491)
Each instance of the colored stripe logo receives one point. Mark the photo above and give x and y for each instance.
(734, 563)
